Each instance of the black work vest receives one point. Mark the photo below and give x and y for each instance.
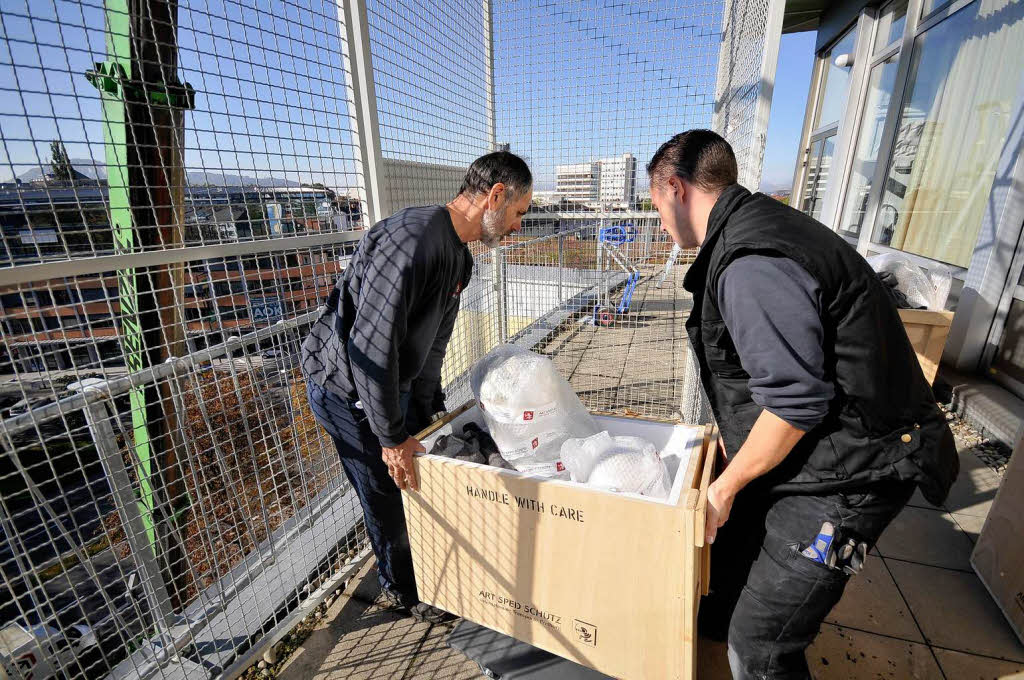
(883, 422)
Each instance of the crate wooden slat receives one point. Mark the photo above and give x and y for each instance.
(927, 331)
(611, 581)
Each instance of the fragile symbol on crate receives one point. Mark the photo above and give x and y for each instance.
(535, 443)
(527, 415)
(585, 632)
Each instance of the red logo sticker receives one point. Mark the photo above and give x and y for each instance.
(535, 443)
(527, 415)
(559, 467)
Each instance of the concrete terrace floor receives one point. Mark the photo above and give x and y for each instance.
(640, 359)
(916, 611)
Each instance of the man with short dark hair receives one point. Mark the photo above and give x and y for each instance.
(373, 359)
(827, 421)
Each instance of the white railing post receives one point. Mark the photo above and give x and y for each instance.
(361, 95)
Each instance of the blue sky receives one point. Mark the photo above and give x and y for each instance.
(577, 80)
(792, 81)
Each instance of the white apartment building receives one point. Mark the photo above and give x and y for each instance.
(608, 182)
(579, 182)
(618, 180)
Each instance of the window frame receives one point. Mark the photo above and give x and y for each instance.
(914, 28)
(808, 136)
(846, 128)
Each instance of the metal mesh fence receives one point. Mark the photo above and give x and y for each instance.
(745, 76)
(587, 92)
(180, 185)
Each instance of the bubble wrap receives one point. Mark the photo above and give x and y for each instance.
(529, 408)
(923, 289)
(627, 464)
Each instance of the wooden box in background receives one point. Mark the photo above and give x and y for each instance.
(927, 331)
(998, 557)
(611, 581)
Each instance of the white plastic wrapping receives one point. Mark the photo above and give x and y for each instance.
(627, 464)
(529, 408)
(923, 289)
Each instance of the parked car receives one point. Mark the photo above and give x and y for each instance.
(39, 652)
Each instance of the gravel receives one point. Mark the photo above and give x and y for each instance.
(991, 452)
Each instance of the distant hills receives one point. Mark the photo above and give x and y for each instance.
(97, 170)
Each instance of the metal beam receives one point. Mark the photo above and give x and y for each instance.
(118, 386)
(361, 95)
(57, 269)
(488, 8)
(769, 62)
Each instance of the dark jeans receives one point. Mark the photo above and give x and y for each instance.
(360, 453)
(772, 598)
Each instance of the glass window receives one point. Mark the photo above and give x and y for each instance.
(891, 24)
(883, 79)
(835, 83)
(811, 176)
(1010, 357)
(818, 166)
(962, 84)
(929, 6)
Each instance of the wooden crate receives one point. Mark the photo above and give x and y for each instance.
(927, 331)
(611, 581)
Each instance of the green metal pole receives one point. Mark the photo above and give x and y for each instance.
(116, 72)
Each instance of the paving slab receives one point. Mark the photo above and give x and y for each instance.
(840, 652)
(359, 640)
(975, 488)
(873, 603)
(971, 524)
(928, 537)
(955, 611)
(960, 666)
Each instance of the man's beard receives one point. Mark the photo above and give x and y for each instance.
(491, 231)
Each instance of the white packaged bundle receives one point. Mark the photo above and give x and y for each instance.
(627, 464)
(923, 289)
(529, 408)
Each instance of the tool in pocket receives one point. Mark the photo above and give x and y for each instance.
(836, 551)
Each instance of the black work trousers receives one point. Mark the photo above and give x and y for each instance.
(360, 453)
(769, 597)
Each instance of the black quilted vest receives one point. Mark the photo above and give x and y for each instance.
(884, 422)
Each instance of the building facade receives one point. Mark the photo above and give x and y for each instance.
(912, 144)
(579, 182)
(618, 181)
(609, 182)
(73, 323)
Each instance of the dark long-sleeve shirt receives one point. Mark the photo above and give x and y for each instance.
(771, 307)
(386, 325)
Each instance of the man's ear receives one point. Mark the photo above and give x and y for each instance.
(678, 188)
(496, 196)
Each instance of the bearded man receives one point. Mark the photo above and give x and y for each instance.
(372, 361)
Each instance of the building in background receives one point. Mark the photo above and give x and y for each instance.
(73, 323)
(617, 181)
(579, 182)
(607, 183)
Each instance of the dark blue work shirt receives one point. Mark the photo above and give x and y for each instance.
(771, 307)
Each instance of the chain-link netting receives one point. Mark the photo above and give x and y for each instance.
(180, 190)
(742, 86)
(181, 184)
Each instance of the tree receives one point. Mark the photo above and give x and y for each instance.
(60, 163)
